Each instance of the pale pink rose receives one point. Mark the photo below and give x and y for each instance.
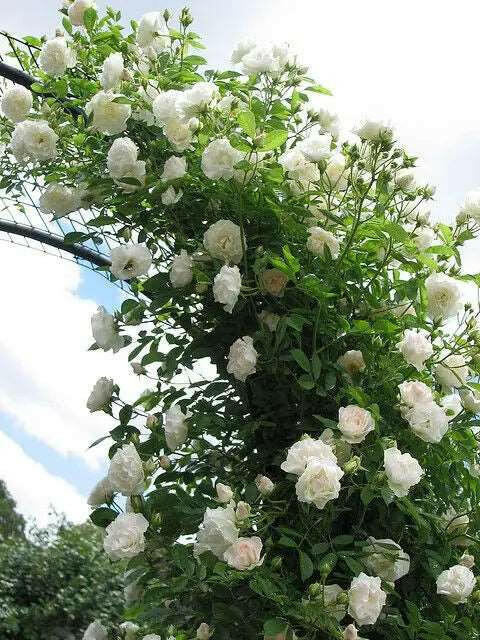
(244, 554)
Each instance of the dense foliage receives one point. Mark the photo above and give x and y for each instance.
(300, 262)
(12, 523)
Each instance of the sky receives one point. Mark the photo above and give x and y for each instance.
(413, 63)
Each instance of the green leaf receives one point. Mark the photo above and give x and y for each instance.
(89, 18)
(75, 236)
(103, 516)
(306, 565)
(306, 382)
(195, 61)
(301, 359)
(274, 139)
(122, 100)
(317, 88)
(246, 119)
(125, 414)
(67, 25)
(316, 366)
(274, 627)
(285, 541)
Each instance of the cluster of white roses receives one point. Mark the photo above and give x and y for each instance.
(130, 630)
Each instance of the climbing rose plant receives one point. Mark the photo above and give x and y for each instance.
(304, 463)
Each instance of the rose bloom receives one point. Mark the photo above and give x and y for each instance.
(350, 632)
(366, 599)
(386, 559)
(219, 159)
(104, 331)
(456, 583)
(471, 206)
(101, 395)
(224, 492)
(179, 134)
(244, 554)
(124, 536)
(319, 239)
(316, 147)
(372, 130)
(241, 50)
(108, 116)
(335, 171)
(149, 25)
(130, 261)
(424, 238)
(470, 400)
(165, 107)
(203, 632)
(223, 240)
(452, 405)
(467, 560)
(77, 9)
(226, 287)
(122, 157)
(443, 295)
(302, 451)
(428, 421)
(355, 423)
(126, 471)
(413, 392)
(242, 511)
(16, 103)
(130, 630)
(181, 272)
(60, 200)
(194, 100)
(319, 483)
(415, 347)
(217, 533)
(452, 371)
(242, 358)
(174, 168)
(264, 485)
(56, 57)
(33, 140)
(170, 196)
(352, 361)
(101, 493)
(330, 595)
(402, 470)
(175, 426)
(112, 71)
(273, 281)
(95, 631)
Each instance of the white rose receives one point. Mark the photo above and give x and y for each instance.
(165, 106)
(242, 511)
(405, 178)
(170, 196)
(269, 319)
(241, 50)
(101, 395)
(130, 630)
(335, 171)
(244, 554)
(366, 599)
(179, 134)
(452, 405)
(319, 483)
(260, 60)
(444, 296)
(55, 57)
(470, 400)
(227, 103)
(355, 423)
(101, 493)
(219, 159)
(316, 147)
(109, 117)
(304, 450)
(60, 200)
(413, 392)
(330, 595)
(126, 471)
(424, 238)
(415, 347)
(226, 287)
(428, 421)
(196, 98)
(152, 32)
(386, 559)
(456, 525)
(104, 331)
(122, 163)
(16, 103)
(403, 471)
(124, 536)
(95, 631)
(452, 371)
(373, 130)
(203, 632)
(224, 492)
(223, 240)
(33, 140)
(471, 206)
(319, 239)
(218, 532)
(174, 168)
(293, 162)
(264, 485)
(130, 261)
(350, 632)
(181, 272)
(242, 358)
(467, 560)
(175, 426)
(456, 583)
(273, 281)
(77, 9)
(352, 361)
(112, 71)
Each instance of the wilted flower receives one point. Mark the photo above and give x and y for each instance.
(415, 347)
(217, 533)
(456, 583)
(124, 536)
(269, 319)
(226, 287)
(101, 395)
(223, 240)
(204, 632)
(319, 483)
(16, 103)
(402, 470)
(176, 427)
(355, 423)
(181, 272)
(366, 599)
(352, 361)
(244, 554)
(273, 281)
(130, 261)
(242, 358)
(55, 57)
(126, 471)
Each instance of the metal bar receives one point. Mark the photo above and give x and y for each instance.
(16, 75)
(77, 250)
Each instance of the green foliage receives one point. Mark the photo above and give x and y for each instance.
(12, 524)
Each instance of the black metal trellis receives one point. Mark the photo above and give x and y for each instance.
(21, 220)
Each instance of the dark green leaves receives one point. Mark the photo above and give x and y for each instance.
(103, 516)
(306, 565)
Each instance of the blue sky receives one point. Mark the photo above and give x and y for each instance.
(414, 63)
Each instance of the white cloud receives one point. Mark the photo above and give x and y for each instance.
(35, 489)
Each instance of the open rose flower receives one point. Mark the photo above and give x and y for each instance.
(244, 554)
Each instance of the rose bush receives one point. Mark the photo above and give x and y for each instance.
(305, 460)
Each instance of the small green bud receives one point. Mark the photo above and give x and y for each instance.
(353, 465)
(152, 422)
(166, 15)
(327, 564)
(315, 589)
